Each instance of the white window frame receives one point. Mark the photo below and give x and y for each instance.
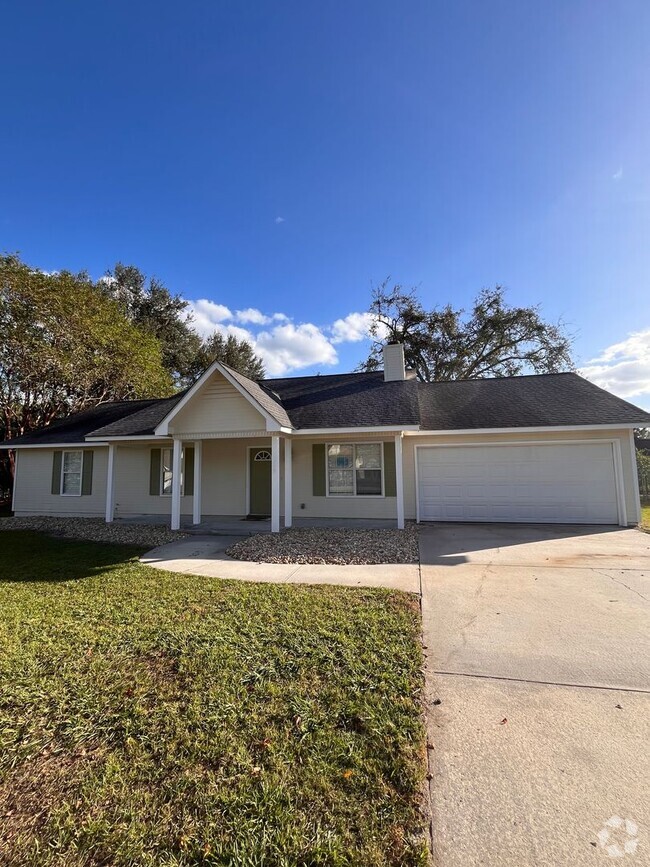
(81, 473)
(354, 471)
(161, 480)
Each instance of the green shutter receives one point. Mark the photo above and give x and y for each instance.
(154, 473)
(319, 488)
(188, 473)
(87, 473)
(56, 472)
(390, 483)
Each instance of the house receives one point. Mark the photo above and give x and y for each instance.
(552, 448)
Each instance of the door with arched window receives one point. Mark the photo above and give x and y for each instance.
(259, 476)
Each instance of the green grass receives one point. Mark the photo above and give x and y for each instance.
(645, 514)
(149, 718)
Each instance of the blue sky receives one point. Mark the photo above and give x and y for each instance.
(283, 157)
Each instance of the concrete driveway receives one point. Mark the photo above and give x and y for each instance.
(538, 693)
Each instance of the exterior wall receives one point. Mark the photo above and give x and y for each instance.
(33, 488)
(132, 495)
(217, 407)
(225, 478)
(629, 469)
(333, 507)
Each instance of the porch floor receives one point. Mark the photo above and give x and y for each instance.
(236, 525)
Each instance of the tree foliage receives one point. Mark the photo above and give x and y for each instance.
(493, 339)
(66, 346)
(151, 306)
(238, 354)
(643, 470)
(148, 304)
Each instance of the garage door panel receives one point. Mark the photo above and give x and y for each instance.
(560, 483)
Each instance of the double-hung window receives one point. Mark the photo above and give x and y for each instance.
(71, 469)
(355, 470)
(166, 472)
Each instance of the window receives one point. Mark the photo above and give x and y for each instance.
(71, 474)
(354, 470)
(166, 473)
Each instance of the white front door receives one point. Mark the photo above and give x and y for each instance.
(554, 484)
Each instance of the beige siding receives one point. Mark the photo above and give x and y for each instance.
(332, 507)
(33, 494)
(217, 407)
(132, 495)
(629, 469)
(225, 478)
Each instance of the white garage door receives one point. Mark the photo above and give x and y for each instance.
(558, 484)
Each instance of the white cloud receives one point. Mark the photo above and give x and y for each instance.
(618, 174)
(623, 368)
(253, 315)
(291, 347)
(207, 315)
(352, 328)
(279, 220)
(282, 345)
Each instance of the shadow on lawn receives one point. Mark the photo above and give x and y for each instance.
(28, 556)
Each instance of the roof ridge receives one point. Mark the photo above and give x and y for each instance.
(500, 378)
(318, 376)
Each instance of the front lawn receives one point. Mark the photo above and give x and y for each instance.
(645, 515)
(149, 718)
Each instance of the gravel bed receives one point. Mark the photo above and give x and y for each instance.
(96, 530)
(340, 547)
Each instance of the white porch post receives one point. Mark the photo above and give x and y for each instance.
(275, 484)
(110, 484)
(288, 495)
(399, 481)
(176, 485)
(198, 462)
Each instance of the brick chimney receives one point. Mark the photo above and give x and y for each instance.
(394, 368)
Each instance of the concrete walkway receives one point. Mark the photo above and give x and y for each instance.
(205, 555)
(537, 643)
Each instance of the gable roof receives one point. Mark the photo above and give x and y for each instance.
(546, 400)
(364, 400)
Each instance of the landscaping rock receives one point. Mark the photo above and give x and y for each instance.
(96, 530)
(339, 547)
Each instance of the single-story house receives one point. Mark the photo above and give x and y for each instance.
(548, 448)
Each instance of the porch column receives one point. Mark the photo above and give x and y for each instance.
(288, 496)
(275, 484)
(110, 484)
(198, 462)
(399, 481)
(176, 485)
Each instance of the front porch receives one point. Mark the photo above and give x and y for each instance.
(244, 482)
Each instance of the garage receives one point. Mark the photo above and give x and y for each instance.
(555, 483)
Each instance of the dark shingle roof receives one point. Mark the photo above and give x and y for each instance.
(75, 427)
(347, 400)
(263, 395)
(140, 423)
(365, 400)
(522, 401)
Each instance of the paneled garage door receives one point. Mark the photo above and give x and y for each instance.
(558, 484)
